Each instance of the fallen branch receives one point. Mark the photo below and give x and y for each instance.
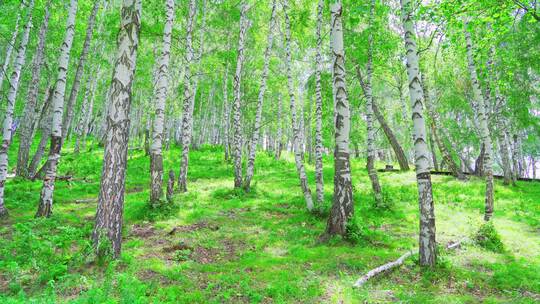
(362, 280)
(87, 200)
(381, 269)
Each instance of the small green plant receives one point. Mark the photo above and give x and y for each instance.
(182, 255)
(488, 238)
(357, 232)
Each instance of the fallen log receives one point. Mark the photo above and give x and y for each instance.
(381, 269)
(362, 280)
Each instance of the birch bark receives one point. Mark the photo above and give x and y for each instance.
(108, 226)
(7, 131)
(188, 96)
(160, 96)
(226, 113)
(435, 127)
(296, 141)
(319, 181)
(483, 126)
(343, 206)
(11, 45)
(44, 123)
(260, 101)
(29, 114)
(427, 244)
(70, 104)
(375, 185)
(46, 196)
(237, 127)
(279, 135)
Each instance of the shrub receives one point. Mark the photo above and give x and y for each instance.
(488, 238)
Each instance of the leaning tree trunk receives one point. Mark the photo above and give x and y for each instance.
(435, 126)
(160, 96)
(86, 112)
(7, 131)
(9, 50)
(483, 125)
(396, 147)
(29, 114)
(427, 244)
(108, 227)
(188, 96)
(294, 124)
(237, 126)
(70, 105)
(46, 197)
(343, 205)
(318, 108)
(500, 119)
(44, 123)
(375, 185)
(260, 100)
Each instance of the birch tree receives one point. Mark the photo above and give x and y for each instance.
(319, 181)
(237, 127)
(7, 128)
(10, 46)
(260, 101)
(279, 132)
(109, 215)
(375, 185)
(435, 128)
(343, 206)
(188, 95)
(481, 117)
(47, 190)
(160, 96)
(294, 123)
(427, 244)
(29, 113)
(226, 113)
(70, 104)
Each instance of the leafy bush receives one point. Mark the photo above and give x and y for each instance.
(488, 238)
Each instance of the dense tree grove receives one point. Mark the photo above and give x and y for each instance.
(450, 88)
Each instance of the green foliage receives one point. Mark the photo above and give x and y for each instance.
(488, 238)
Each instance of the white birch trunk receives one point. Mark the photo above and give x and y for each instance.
(11, 45)
(30, 115)
(260, 100)
(375, 185)
(343, 205)
(7, 131)
(427, 244)
(46, 197)
(108, 226)
(279, 135)
(483, 127)
(237, 127)
(319, 181)
(160, 96)
(189, 95)
(70, 104)
(226, 113)
(294, 123)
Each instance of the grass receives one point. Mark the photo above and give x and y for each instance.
(218, 245)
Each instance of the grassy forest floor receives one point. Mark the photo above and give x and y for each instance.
(216, 245)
